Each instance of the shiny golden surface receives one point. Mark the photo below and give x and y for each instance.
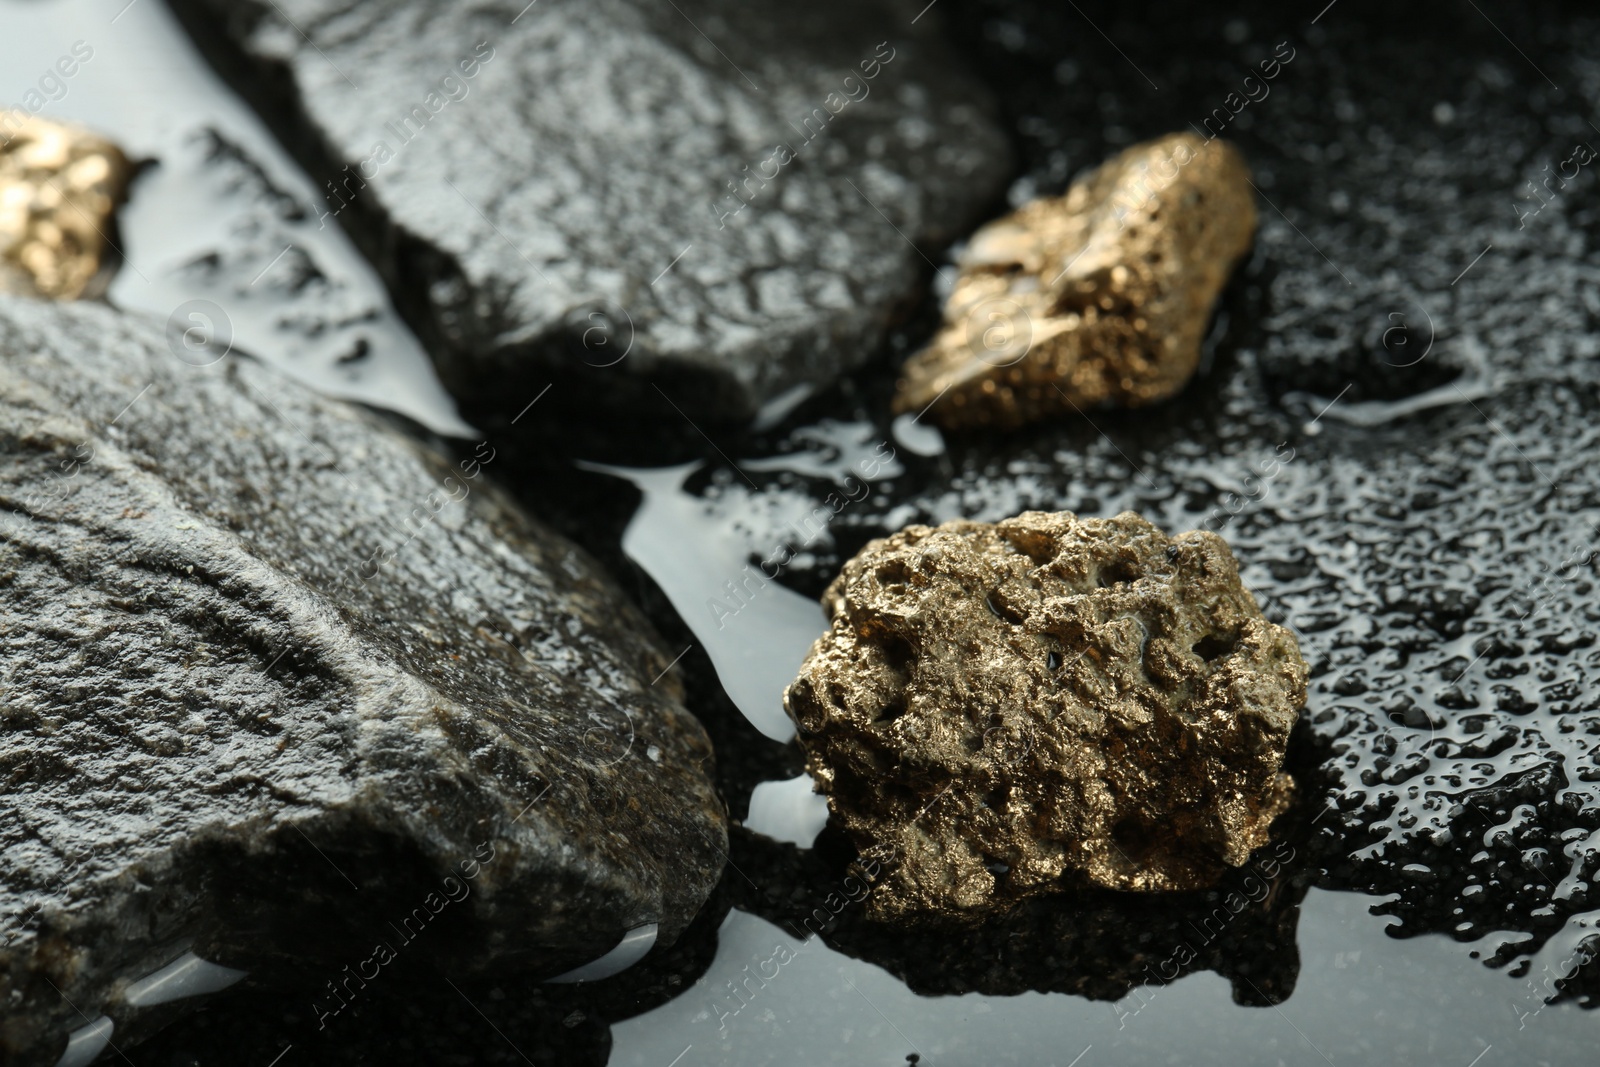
(59, 186)
(1100, 296)
(1005, 710)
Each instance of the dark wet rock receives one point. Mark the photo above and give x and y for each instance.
(282, 685)
(613, 192)
(1003, 711)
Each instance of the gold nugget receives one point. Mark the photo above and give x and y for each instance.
(59, 188)
(1000, 711)
(1100, 296)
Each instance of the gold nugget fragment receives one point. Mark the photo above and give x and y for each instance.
(1001, 711)
(1100, 296)
(59, 188)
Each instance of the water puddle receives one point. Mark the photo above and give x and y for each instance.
(1361, 997)
(221, 233)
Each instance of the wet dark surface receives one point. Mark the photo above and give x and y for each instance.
(1427, 541)
(615, 210)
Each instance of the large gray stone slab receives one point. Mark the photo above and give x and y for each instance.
(555, 185)
(279, 684)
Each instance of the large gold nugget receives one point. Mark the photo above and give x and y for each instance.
(1000, 711)
(1100, 296)
(59, 187)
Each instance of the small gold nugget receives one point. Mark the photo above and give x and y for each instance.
(1000, 711)
(59, 188)
(1100, 296)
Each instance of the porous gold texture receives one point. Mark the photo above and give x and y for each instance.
(1003, 710)
(59, 187)
(1100, 296)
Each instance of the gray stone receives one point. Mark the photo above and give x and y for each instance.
(549, 187)
(278, 684)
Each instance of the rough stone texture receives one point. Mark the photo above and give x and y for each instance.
(59, 188)
(528, 217)
(1000, 711)
(1099, 296)
(272, 671)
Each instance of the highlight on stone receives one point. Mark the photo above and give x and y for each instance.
(59, 189)
(1005, 710)
(1097, 297)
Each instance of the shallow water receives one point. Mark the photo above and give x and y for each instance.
(1362, 997)
(287, 286)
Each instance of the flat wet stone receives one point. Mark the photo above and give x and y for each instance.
(612, 187)
(290, 691)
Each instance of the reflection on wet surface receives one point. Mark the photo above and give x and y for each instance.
(220, 225)
(1362, 997)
